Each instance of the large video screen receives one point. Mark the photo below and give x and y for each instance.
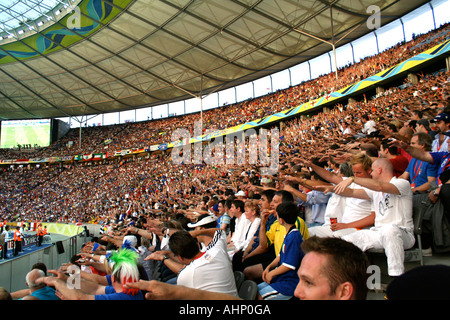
(26, 133)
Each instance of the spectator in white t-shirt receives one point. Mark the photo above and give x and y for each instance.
(392, 202)
(351, 213)
(209, 270)
(369, 125)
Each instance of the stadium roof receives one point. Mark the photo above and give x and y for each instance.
(63, 58)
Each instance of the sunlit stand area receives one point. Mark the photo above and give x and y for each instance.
(58, 246)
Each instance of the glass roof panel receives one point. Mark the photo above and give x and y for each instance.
(16, 13)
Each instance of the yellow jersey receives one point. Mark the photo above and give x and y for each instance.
(277, 233)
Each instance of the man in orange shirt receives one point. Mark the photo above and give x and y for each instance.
(41, 232)
(17, 241)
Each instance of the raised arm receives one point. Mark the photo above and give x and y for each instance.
(322, 172)
(164, 291)
(372, 184)
(61, 286)
(413, 151)
(343, 190)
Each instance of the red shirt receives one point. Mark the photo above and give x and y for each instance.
(400, 164)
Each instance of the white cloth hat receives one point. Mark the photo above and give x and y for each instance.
(203, 221)
(240, 194)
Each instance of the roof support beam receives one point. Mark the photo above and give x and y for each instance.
(31, 90)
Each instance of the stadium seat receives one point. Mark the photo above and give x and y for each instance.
(239, 277)
(412, 254)
(248, 290)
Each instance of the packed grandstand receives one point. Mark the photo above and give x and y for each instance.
(127, 188)
(93, 190)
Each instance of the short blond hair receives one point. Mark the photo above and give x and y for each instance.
(361, 158)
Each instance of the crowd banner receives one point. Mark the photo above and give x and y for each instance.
(38, 160)
(33, 226)
(62, 228)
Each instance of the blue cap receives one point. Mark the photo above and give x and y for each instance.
(442, 116)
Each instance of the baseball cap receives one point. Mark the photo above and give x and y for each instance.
(442, 116)
(202, 221)
(240, 194)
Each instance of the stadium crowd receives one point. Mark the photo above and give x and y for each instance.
(174, 221)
